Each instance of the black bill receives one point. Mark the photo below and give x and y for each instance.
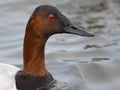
(71, 28)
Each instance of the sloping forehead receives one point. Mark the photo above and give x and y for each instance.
(47, 9)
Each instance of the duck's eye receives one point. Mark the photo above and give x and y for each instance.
(51, 16)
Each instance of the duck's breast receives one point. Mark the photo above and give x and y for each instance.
(7, 77)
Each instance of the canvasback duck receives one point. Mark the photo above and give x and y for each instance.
(45, 21)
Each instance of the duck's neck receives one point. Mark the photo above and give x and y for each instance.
(34, 58)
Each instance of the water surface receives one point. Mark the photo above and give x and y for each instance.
(78, 63)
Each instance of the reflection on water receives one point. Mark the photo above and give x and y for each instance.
(78, 63)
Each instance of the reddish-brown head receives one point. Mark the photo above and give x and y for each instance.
(47, 20)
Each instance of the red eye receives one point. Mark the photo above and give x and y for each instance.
(51, 16)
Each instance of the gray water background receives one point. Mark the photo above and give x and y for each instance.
(78, 63)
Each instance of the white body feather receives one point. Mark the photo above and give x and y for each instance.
(7, 76)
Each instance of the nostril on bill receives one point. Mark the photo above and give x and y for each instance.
(73, 27)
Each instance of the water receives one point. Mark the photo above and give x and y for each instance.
(78, 63)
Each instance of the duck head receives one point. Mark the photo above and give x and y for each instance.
(47, 20)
